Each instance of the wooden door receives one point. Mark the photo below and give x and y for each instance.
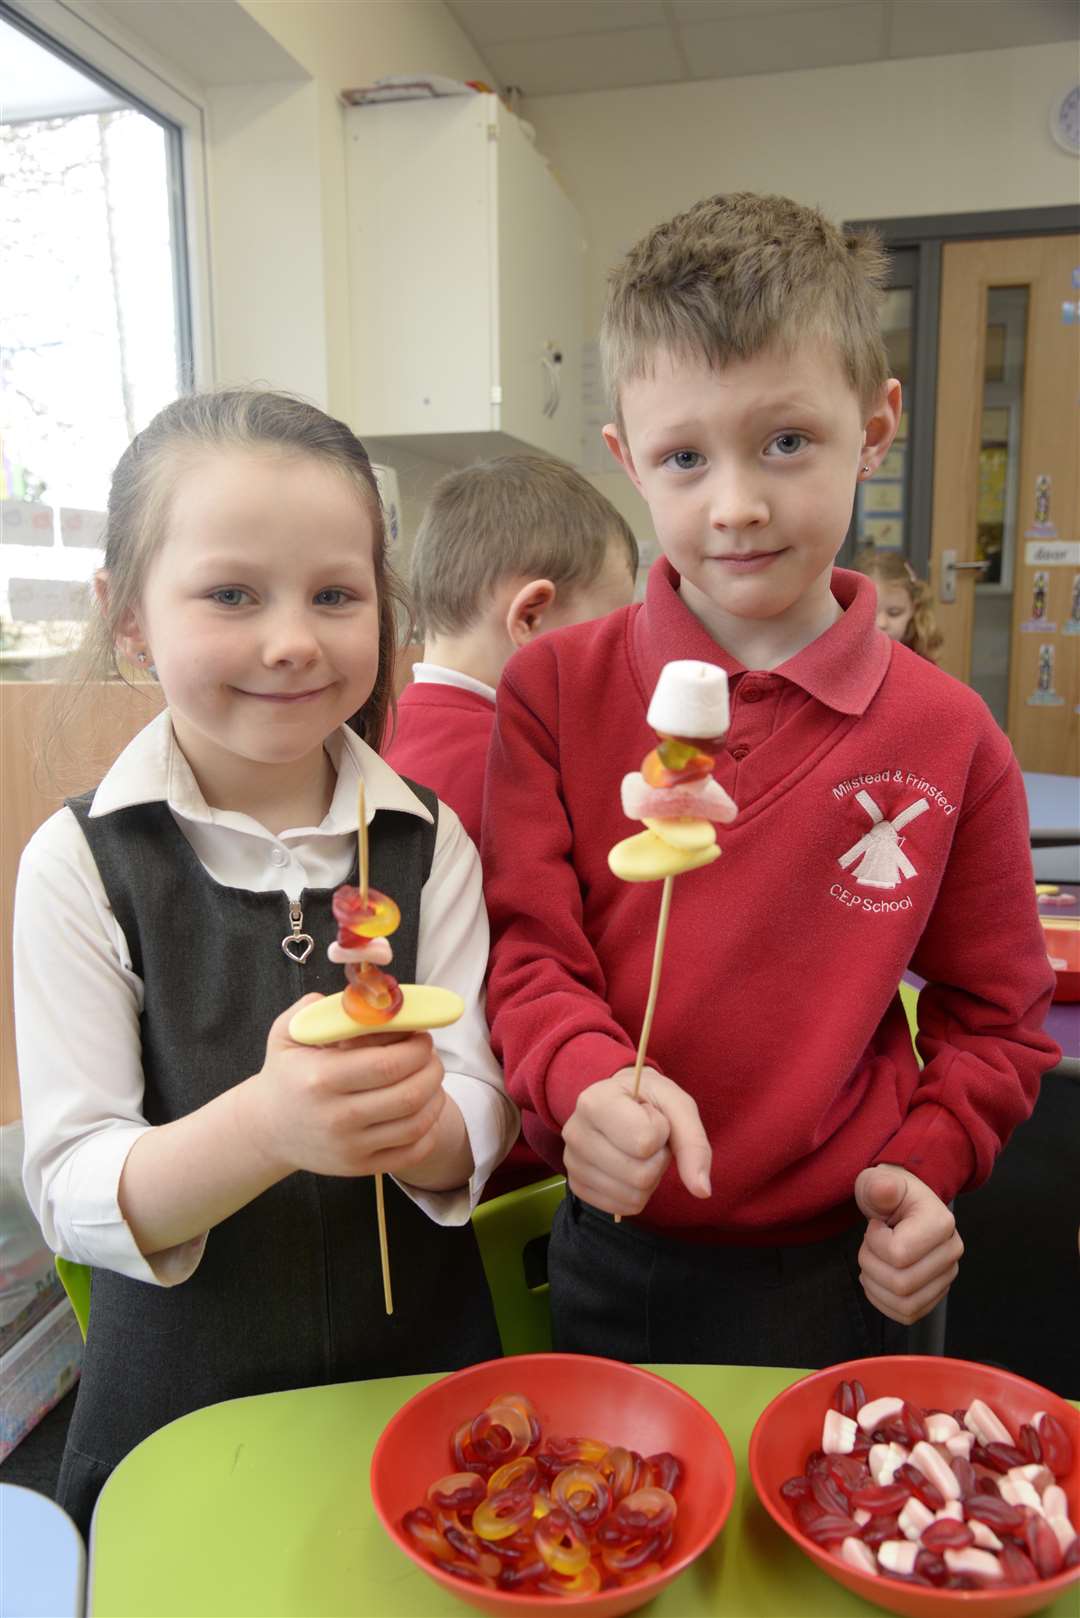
(1007, 487)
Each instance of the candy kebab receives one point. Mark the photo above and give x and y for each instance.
(372, 1001)
(675, 795)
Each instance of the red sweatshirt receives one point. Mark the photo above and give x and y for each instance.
(441, 739)
(778, 1006)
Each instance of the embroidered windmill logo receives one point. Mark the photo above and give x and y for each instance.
(880, 853)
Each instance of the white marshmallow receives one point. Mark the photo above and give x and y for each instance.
(984, 1564)
(1064, 1530)
(985, 1538)
(1040, 1477)
(898, 1555)
(940, 1427)
(961, 1444)
(883, 1461)
(980, 1420)
(854, 1552)
(936, 1469)
(951, 1508)
(913, 1518)
(839, 1432)
(690, 699)
(862, 1516)
(1019, 1493)
(875, 1411)
(1055, 1500)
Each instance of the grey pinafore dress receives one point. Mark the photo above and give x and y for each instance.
(289, 1292)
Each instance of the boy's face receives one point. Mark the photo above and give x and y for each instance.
(749, 472)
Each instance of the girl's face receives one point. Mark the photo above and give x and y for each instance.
(894, 609)
(260, 614)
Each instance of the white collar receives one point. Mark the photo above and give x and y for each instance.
(152, 769)
(435, 674)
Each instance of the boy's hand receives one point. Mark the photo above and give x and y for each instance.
(368, 1105)
(617, 1148)
(911, 1251)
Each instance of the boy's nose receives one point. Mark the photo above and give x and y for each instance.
(737, 503)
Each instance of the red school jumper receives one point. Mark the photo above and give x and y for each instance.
(882, 821)
(440, 739)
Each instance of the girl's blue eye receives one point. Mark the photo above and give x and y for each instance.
(229, 596)
(789, 443)
(338, 595)
(684, 460)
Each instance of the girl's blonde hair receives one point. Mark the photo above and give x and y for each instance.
(138, 515)
(922, 633)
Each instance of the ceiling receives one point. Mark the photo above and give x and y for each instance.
(553, 47)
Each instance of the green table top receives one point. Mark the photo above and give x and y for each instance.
(258, 1507)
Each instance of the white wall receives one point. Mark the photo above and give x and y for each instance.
(936, 135)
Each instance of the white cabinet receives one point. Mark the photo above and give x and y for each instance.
(466, 283)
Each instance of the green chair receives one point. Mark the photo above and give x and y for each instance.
(909, 996)
(76, 1282)
(504, 1226)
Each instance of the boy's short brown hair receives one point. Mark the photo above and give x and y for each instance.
(516, 516)
(735, 274)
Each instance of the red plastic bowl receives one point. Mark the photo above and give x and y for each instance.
(790, 1427)
(575, 1395)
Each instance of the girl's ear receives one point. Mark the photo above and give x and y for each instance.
(128, 638)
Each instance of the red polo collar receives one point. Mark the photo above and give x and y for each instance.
(842, 668)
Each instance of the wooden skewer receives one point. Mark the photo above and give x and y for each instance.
(654, 981)
(654, 990)
(380, 1201)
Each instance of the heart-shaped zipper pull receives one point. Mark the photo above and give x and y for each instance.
(298, 945)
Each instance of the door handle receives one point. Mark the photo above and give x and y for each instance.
(950, 567)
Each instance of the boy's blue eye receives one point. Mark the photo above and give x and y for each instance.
(789, 443)
(229, 596)
(685, 460)
(339, 596)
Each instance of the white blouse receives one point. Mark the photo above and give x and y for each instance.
(77, 1000)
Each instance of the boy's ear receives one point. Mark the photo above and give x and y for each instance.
(879, 428)
(621, 453)
(525, 614)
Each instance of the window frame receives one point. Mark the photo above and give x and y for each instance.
(77, 39)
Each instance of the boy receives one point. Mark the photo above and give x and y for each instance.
(506, 550)
(782, 1099)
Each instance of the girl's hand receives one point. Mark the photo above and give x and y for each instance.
(369, 1105)
(911, 1253)
(617, 1149)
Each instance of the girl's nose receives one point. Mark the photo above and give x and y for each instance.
(882, 621)
(290, 639)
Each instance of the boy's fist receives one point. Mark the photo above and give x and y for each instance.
(911, 1252)
(617, 1148)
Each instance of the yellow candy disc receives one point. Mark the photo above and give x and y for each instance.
(325, 1022)
(647, 858)
(688, 835)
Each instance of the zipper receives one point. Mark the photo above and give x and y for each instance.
(297, 944)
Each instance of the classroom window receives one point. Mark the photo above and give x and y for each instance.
(96, 329)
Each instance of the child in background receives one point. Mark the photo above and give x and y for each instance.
(904, 609)
(506, 550)
(786, 1145)
(214, 1175)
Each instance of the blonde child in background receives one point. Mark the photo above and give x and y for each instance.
(507, 550)
(213, 1173)
(904, 610)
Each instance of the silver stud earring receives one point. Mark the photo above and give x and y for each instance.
(866, 469)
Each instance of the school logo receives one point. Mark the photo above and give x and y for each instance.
(878, 860)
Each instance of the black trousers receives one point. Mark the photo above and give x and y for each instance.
(627, 1294)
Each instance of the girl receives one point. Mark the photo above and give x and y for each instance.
(904, 610)
(216, 1177)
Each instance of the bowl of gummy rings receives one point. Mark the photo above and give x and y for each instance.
(553, 1482)
(927, 1486)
